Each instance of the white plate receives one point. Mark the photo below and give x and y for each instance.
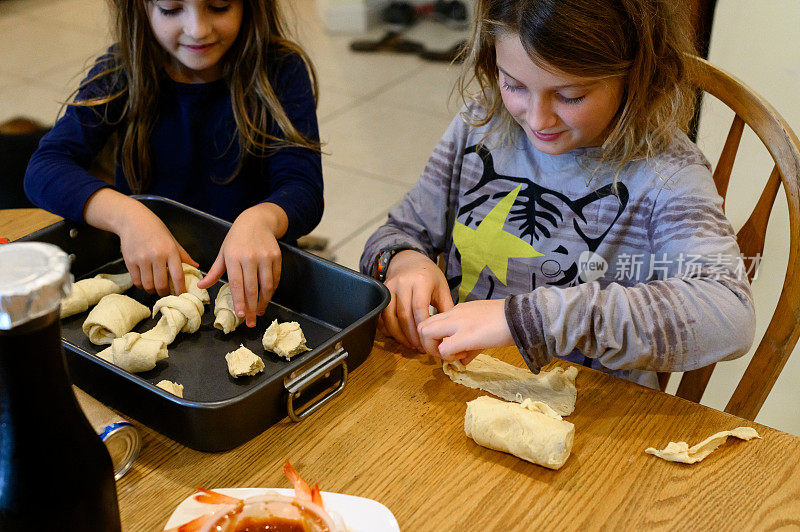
(359, 514)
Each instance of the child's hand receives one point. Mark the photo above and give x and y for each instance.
(151, 253)
(415, 282)
(251, 256)
(459, 333)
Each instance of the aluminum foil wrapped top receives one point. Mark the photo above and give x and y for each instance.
(34, 277)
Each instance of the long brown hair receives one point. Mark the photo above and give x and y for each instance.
(646, 42)
(136, 72)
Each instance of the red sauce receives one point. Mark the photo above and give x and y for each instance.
(269, 524)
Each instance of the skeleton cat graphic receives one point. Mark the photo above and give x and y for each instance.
(539, 211)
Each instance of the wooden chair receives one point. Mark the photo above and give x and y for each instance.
(784, 328)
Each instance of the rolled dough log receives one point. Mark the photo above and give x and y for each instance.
(225, 318)
(178, 314)
(87, 292)
(681, 452)
(113, 316)
(134, 353)
(190, 277)
(172, 387)
(531, 430)
(284, 339)
(243, 362)
(556, 387)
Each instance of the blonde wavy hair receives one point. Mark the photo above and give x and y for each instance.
(135, 72)
(646, 42)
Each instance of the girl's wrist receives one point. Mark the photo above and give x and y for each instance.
(270, 215)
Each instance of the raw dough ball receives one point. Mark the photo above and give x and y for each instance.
(172, 387)
(135, 353)
(284, 339)
(243, 362)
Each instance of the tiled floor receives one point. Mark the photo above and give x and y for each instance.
(381, 116)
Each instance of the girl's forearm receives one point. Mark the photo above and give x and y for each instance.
(272, 216)
(110, 210)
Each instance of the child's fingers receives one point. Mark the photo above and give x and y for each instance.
(185, 257)
(250, 289)
(405, 316)
(392, 326)
(237, 289)
(470, 356)
(442, 299)
(431, 333)
(267, 287)
(176, 274)
(214, 274)
(146, 273)
(136, 277)
(161, 279)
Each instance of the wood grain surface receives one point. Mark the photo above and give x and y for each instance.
(396, 435)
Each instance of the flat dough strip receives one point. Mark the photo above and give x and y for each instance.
(87, 292)
(681, 452)
(531, 430)
(113, 316)
(225, 318)
(556, 387)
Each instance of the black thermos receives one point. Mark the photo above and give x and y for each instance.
(55, 472)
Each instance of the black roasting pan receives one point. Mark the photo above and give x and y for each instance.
(336, 307)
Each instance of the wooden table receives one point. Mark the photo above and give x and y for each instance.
(396, 435)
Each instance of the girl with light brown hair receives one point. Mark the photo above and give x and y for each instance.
(214, 107)
(570, 213)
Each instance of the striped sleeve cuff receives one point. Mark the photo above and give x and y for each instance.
(525, 322)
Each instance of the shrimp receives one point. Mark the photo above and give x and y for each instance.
(301, 488)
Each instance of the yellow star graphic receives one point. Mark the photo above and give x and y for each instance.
(488, 245)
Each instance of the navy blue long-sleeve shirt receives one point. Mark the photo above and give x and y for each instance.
(194, 147)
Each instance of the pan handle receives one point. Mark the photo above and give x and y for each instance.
(322, 368)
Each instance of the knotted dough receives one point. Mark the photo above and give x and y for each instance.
(87, 292)
(134, 353)
(225, 318)
(179, 314)
(556, 387)
(191, 276)
(531, 430)
(113, 316)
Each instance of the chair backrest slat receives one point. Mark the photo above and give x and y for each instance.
(783, 330)
(724, 166)
(753, 233)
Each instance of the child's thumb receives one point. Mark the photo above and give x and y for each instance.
(214, 273)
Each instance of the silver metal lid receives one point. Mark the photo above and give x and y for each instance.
(34, 277)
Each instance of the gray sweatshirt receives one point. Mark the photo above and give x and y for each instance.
(630, 280)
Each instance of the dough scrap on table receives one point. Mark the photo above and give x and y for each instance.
(191, 276)
(134, 353)
(225, 319)
(87, 292)
(556, 387)
(172, 387)
(531, 430)
(113, 316)
(681, 452)
(244, 362)
(179, 314)
(284, 339)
